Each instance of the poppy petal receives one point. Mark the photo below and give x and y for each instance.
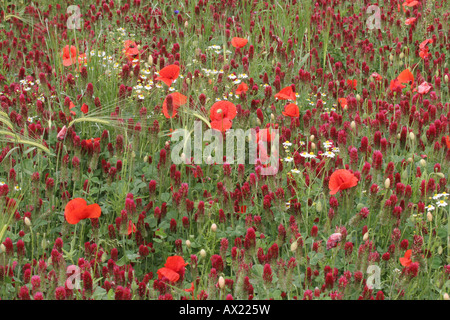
(169, 274)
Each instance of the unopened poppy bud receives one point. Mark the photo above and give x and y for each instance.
(446, 78)
(2, 248)
(440, 250)
(221, 282)
(387, 183)
(345, 107)
(422, 162)
(202, 253)
(391, 57)
(188, 243)
(186, 24)
(27, 221)
(214, 227)
(145, 159)
(366, 236)
(358, 98)
(150, 59)
(313, 146)
(410, 160)
(272, 116)
(412, 136)
(446, 297)
(294, 246)
(402, 55)
(353, 125)
(429, 216)
(104, 257)
(311, 138)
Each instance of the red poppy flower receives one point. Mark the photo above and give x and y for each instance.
(291, 110)
(91, 141)
(173, 269)
(131, 50)
(77, 209)
(410, 3)
(376, 76)
(222, 109)
(242, 209)
(169, 74)
(70, 56)
(85, 108)
(238, 42)
(424, 43)
(340, 180)
(406, 77)
(406, 260)
(71, 106)
(424, 88)
(352, 83)
(286, 94)
(447, 141)
(410, 21)
(178, 100)
(395, 85)
(342, 102)
(131, 227)
(242, 88)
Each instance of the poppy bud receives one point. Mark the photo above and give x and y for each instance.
(446, 297)
(446, 78)
(202, 253)
(366, 236)
(188, 243)
(213, 227)
(221, 282)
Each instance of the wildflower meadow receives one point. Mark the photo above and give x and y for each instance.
(251, 150)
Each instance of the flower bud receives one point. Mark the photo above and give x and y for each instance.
(311, 138)
(358, 98)
(429, 217)
(188, 243)
(27, 222)
(446, 297)
(221, 282)
(446, 78)
(214, 227)
(422, 162)
(387, 183)
(294, 246)
(353, 125)
(2, 248)
(366, 236)
(412, 136)
(402, 55)
(186, 24)
(440, 250)
(313, 146)
(202, 253)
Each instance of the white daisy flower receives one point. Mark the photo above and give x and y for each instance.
(441, 203)
(430, 207)
(329, 154)
(287, 144)
(295, 171)
(17, 188)
(335, 150)
(141, 97)
(288, 159)
(237, 81)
